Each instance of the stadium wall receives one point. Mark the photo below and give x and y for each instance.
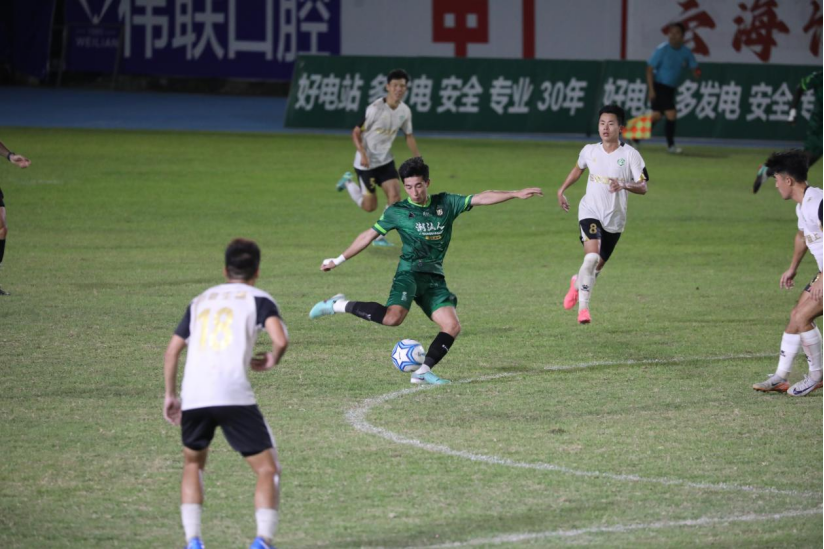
(545, 96)
(262, 39)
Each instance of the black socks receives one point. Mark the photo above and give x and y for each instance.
(438, 349)
(367, 310)
(669, 129)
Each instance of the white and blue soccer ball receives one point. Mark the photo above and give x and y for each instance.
(408, 355)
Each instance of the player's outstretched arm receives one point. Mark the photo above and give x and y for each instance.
(413, 145)
(488, 198)
(171, 404)
(280, 341)
(17, 159)
(799, 249)
(573, 176)
(361, 243)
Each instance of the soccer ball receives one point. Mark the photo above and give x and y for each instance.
(408, 355)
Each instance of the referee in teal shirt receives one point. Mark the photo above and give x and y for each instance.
(663, 76)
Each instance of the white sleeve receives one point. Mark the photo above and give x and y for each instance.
(582, 158)
(369, 119)
(798, 214)
(637, 167)
(407, 124)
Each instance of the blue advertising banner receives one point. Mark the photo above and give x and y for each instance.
(244, 39)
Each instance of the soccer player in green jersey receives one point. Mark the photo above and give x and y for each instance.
(424, 223)
(813, 143)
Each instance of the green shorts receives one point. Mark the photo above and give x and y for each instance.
(429, 291)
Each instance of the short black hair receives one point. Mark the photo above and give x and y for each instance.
(679, 25)
(793, 162)
(397, 74)
(414, 167)
(616, 110)
(242, 259)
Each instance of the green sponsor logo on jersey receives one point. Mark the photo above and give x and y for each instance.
(621, 162)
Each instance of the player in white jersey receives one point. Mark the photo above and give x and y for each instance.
(615, 169)
(220, 327)
(790, 171)
(373, 138)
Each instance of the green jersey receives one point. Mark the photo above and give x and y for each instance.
(425, 229)
(814, 82)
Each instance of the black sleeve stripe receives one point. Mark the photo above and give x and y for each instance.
(265, 309)
(820, 204)
(183, 328)
(646, 174)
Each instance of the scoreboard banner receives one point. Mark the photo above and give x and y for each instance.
(546, 96)
(243, 39)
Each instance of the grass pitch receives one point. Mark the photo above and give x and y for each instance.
(658, 442)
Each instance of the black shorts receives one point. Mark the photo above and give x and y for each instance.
(377, 176)
(591, 229)
(664, 97)
(813, 281)
(2, 204)
(243, 426)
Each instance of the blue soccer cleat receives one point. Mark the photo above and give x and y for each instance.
(341, 184)
(428, 378)
(382, 242)
(760, 177)
(194, 543)
(323, 308)
(260, 543)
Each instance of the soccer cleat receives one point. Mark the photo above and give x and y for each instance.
(429, 378)
(571, 298)
(583, 316)
(4, 292)
(382, 242)
(760, 177)
(260, 543)
(773, 383)
(675, 149)
(341, 184)
(323, 308)
(803, 387)
(194, 543)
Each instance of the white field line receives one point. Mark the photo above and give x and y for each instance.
(356, 416)
(657, 361)
(622, 528)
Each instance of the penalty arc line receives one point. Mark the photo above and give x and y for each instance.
(621, 528)
(356, 416)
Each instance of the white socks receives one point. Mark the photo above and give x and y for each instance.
(355, 190)
(190, 513)
(790, 345)
(586, 279)
(423, 369)
(811, 342)
(267, 523)
(339, 306)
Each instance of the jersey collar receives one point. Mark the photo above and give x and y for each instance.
(426, 205)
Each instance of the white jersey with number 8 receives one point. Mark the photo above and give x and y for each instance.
(220, 327)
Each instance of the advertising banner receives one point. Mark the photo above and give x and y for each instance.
(241, 39)
(498, 95)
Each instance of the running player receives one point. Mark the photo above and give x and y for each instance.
(790, 171)
(615, 169)
(220, 327)
(813, 140)
(373, 137)
(424, 223)
(21, 162)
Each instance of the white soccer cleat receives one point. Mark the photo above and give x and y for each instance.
(804, 387)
